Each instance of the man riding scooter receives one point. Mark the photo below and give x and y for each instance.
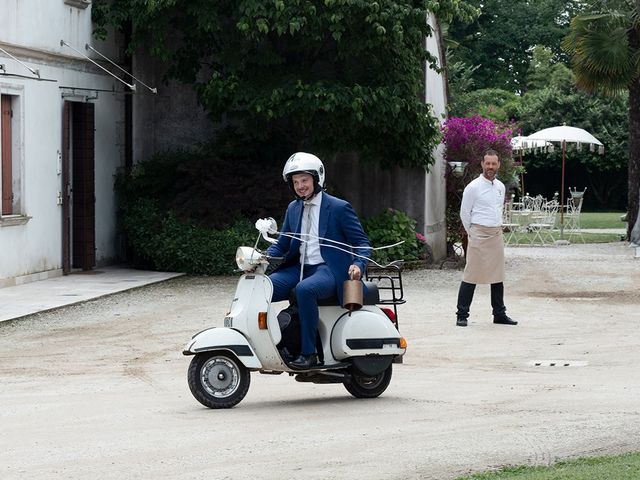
(311, 265)
(319, 247)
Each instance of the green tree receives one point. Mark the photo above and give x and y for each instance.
(605, 118)
(604, 45)
(494, 103)
(553, 100)
(326, 75)
(545, 71)
(501, 40)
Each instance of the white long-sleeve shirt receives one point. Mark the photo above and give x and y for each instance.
(482, 203)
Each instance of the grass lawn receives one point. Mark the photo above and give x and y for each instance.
(602, 220)
(588, 220)
(525, 238)
(620, 467)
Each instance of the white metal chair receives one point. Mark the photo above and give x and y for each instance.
(572, 215)
(532, 203)
(542, 227)
(510, 227)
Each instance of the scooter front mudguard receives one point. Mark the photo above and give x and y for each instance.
(223, 338)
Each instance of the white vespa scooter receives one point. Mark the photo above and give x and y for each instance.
(357, 347)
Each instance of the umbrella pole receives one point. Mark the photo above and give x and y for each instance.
(564, 149)
(521, 175)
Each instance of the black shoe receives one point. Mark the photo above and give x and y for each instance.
(504, 320)
(461, 322)
(286, 355)
(304, 362)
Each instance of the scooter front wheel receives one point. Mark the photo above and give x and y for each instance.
(362, 385)
(218, 379)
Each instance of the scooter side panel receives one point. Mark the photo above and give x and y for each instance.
(328, 317)
(365, 332)
(253, 296)
(222, 338)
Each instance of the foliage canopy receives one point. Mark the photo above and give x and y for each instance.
(547, 96)
(323, 75)
(501, 40)
(604, 45)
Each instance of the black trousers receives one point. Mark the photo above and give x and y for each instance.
(465, 297)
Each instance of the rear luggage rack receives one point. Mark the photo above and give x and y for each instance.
(389, 281)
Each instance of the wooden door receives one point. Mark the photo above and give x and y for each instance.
(83, 182)
(66, 188)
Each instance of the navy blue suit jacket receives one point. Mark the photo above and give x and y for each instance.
(338, 222)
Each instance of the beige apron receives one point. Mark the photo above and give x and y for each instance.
(485, 255)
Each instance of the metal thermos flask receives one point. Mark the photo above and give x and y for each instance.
(352, 295)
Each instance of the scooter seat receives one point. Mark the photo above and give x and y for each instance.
(371, 297)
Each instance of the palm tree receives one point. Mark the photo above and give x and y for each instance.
(604, 46)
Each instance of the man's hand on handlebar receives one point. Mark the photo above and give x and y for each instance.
(274, 261)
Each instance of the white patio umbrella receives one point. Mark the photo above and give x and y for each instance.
(522, 144)
(564, 134)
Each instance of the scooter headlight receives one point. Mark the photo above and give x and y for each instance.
(247, 258)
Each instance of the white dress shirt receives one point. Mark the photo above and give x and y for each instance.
(482, 203)
(312, 255)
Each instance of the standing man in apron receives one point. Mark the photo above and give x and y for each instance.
(481, 215)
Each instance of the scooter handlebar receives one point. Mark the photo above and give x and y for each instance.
(275, 261)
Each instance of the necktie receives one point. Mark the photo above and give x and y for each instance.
(306, 228)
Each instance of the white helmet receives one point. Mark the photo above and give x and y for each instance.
(302, 162)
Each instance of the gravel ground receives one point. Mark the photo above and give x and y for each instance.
(98, 390)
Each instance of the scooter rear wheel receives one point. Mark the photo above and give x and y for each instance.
(218, 379)
(368, 386)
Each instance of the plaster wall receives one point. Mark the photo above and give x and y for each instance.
(371, 189)
(170, 119)
(31, 245)
(435, 194)
(39, 25)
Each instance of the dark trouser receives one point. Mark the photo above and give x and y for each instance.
(318, 283)
(465, 297)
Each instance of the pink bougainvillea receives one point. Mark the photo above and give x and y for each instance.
(467, 138)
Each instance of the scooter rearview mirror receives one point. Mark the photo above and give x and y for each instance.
(267, 226)
(273, 226)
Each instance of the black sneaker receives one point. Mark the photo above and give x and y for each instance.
(461, 322)
(504, 320)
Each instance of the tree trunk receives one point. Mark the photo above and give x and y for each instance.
(634, 136)
(635, 232)
(634, 154)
